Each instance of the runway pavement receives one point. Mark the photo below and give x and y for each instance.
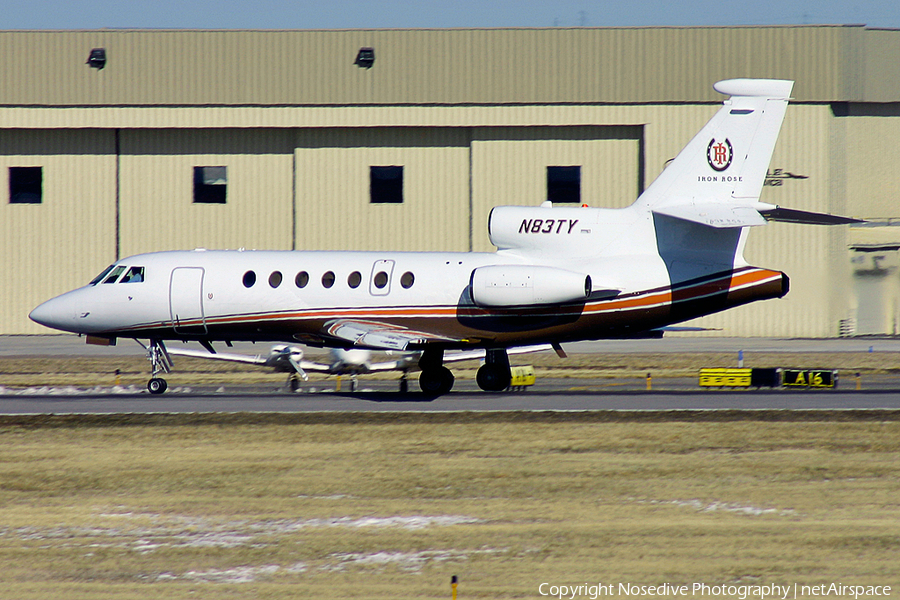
(565, 395)
(379, 396)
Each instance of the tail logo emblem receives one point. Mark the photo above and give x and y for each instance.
(719, 154)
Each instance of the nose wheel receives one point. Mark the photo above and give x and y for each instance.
(157, 385)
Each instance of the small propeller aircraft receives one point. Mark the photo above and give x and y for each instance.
(288, 358)
(559, 274)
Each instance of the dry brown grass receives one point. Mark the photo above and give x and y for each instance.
(330, 510)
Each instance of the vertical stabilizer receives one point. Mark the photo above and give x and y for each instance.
(726, 163)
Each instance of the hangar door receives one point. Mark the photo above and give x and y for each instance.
(510, 167)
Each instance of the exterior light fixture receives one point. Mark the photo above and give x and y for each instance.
(97, 59)
(365, 59)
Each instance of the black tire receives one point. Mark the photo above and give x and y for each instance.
(157, 385)
(436, 381)
(294, 382)
(493, 378)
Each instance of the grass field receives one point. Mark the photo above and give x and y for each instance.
(392, 506)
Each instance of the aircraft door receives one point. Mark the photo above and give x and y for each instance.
(186, 300)
(382, 273)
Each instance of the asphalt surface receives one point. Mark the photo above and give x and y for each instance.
(381, 396)
(378, 396)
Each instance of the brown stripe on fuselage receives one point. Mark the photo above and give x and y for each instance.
(604, 318)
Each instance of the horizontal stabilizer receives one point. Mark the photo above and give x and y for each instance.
(714, 215)
(724, 215)
(788, 215)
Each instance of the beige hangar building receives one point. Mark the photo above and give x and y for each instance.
(116, 142)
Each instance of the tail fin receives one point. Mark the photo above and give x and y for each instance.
(717, 178)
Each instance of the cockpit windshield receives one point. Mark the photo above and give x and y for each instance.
(114, 276)
(112, 273)
(99, 277)
(134, 275)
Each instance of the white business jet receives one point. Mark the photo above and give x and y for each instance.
(560, 274)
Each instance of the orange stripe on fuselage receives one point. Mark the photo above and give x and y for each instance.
(641, 300)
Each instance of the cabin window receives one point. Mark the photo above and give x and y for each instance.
(354, 279)
(249, 279)
(275, 279)
(328, 279)
(407, 280)
(114, 275)
(134, 275)
(210, 185)
(386, 185)
(380, 280)
(301, 279)
(100, 277)
(26, 185)
(564, 184)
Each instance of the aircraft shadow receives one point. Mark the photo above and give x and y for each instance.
(388, 396)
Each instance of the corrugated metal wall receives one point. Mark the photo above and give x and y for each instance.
(156, 205)
(332, 182)
(49, 248)
(581, 65)
(474, 117)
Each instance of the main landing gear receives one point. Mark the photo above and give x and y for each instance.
(160, 362)
(494, 375)
(435, 379)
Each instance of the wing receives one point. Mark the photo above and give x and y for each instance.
(287, 359)
(380, 336)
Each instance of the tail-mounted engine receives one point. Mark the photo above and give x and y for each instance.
(540, 227)
(526, 285)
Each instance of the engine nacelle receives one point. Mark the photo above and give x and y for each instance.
(525, 285)
(542, 228)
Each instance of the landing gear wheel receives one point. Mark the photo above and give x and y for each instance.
(157, 385)
(493, 378)
(436, 381)
(294, 383)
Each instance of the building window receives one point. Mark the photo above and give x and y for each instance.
(564, 184)
(26, 185)
(210, 184)
(386, 185)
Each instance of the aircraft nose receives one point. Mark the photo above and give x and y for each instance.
(53, 314)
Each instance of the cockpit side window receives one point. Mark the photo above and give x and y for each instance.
(134, 275)
(114, 276)
(100, 277)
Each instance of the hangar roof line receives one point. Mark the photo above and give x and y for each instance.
(422, 67)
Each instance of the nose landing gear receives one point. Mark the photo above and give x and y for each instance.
(160, 362)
